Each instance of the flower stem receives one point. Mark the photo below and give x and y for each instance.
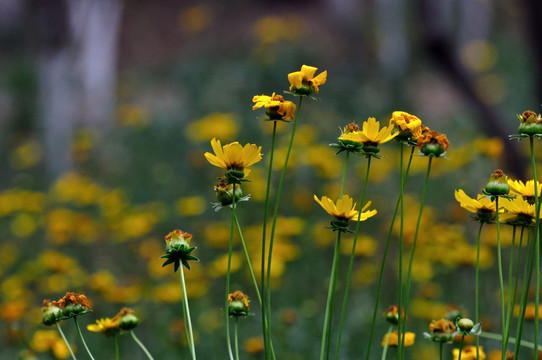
(344, 174)
(265, 320)
(228, 274)
(501, 281)
(247, 257)
(537, 242)
(117, 352)
(274, 223)
(511, 291)
(383, 263)
(351, 264)
(413, 249)
(330, 298)
(385, 349)
(82, 338)
(477, 288)
(498, 337)
(400, 324)
(461, 348)
(66, 341)
(187, 312)
(236, 338)
(141, 345)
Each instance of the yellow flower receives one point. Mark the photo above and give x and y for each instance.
(408, 124)
(517, 187)
(392, 339)
(344, 209)
(45, 340)
(371, 133)
(518, 212)
(483, 207)
(469, 353)
(277, 107)
(304, 81)
(107, 326)
(233, 156)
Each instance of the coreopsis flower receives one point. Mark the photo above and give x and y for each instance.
(526, 190)
(234, 158)
(410, 126)
(370, 136)
(73, 304)
(106, 326)
(49, 340)
(50, 313)
(497, 185)
(469, 353)
(178, 249)
(277, 107)
(238, 304)
(432, 143)
(392, 339)
(304, 82)
(518, 212)
(441, 331)
(343, 211)
(482, 207)
(392, 314)
(530, 123)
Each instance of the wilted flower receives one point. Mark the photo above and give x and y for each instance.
(530, 123)
(178, 249)
(73, 304)
(277, 107)
(238, 304)
(304, 82)
(410, 126)
(392, 314)
(441, 331)
(432, 143)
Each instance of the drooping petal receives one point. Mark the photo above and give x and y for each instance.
(295, 79)
(307, 72)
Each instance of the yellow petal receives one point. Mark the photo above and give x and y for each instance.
(295, 79)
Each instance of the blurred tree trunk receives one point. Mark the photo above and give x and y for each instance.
(533, 14)
(77, 52)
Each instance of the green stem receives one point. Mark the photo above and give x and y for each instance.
(384, 256)
(228, 275)
(351, 264)
(82, 338)
(498, 337)
(236, 338)
(274, 221)
(344, 174)
(188, 319)
(512, 305)
(400, 275)
(477, 288)
(66, 341)
(461, 347)
(330, 297)
(413, 249)
(247, 257)
(440, 351)
(501, 279)
(537, 242)
(265, 320)
(141, 345)
(117, 351)
(509, 303)
(385, 349)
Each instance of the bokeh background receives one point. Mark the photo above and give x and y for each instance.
(106, 109)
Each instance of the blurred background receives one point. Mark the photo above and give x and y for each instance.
(106, 109)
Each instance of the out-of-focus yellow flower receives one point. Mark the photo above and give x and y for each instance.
(469, 353)
(195, 19)
(49, 340)
(518, 211)
(365, 246)
(517, 187)
(23, 225)
(371, 133)
(324, 161)
(219, 266)
(277, 107)
(13, 310)
(233, 156)
(344, 208)
(76, 188)
(275, 29)
(132, 115)
(478, 55)
(214, 125)
(391, 339)
(529, 311)
(409, 125)
(254, 345)
(304, 81)
(26, 155)
(491, 147)
(106, 326)
(191, 205)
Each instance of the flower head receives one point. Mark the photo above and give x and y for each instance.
(482, 207)
(526, 190)
(238, 304)
(392, 314)
(432, 143)
(50, 313)
(392, 339)
(108, 327)
(441, 331)
(410, 126)
(233, 157)
(72, 304)
(371, 135)
(126, 318)
(343, 211)
(530, 123)
(469, 353)
(304, 82)
(277, 107)
(518, 211)
(178, 249)
(498, 184)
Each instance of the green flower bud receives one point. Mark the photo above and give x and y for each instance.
(530, 123)
(432, 149)
(234, 175)
(225, 194)
(498, 184)
(73, 309)
(465, 324)
(51, 314)
(128, 322)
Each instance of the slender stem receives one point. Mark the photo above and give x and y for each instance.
(343, 178)
(265, 320)
(400, 275)
(185, 317)
(117, 351)
(501, 280)
(537, 243)
(413, 249)
(509, 303)
(384, 256)
(461, 347)
(512, 305)
(351, 264)
(477, 288)
(141, 345)
(274, 221)
(228, 274)
(188, 319)
(330, 296)
(247, 257)
(498, 337)
(440, 351)
(65, 340)
(82, 338)
(236, 338)
(385, 350)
